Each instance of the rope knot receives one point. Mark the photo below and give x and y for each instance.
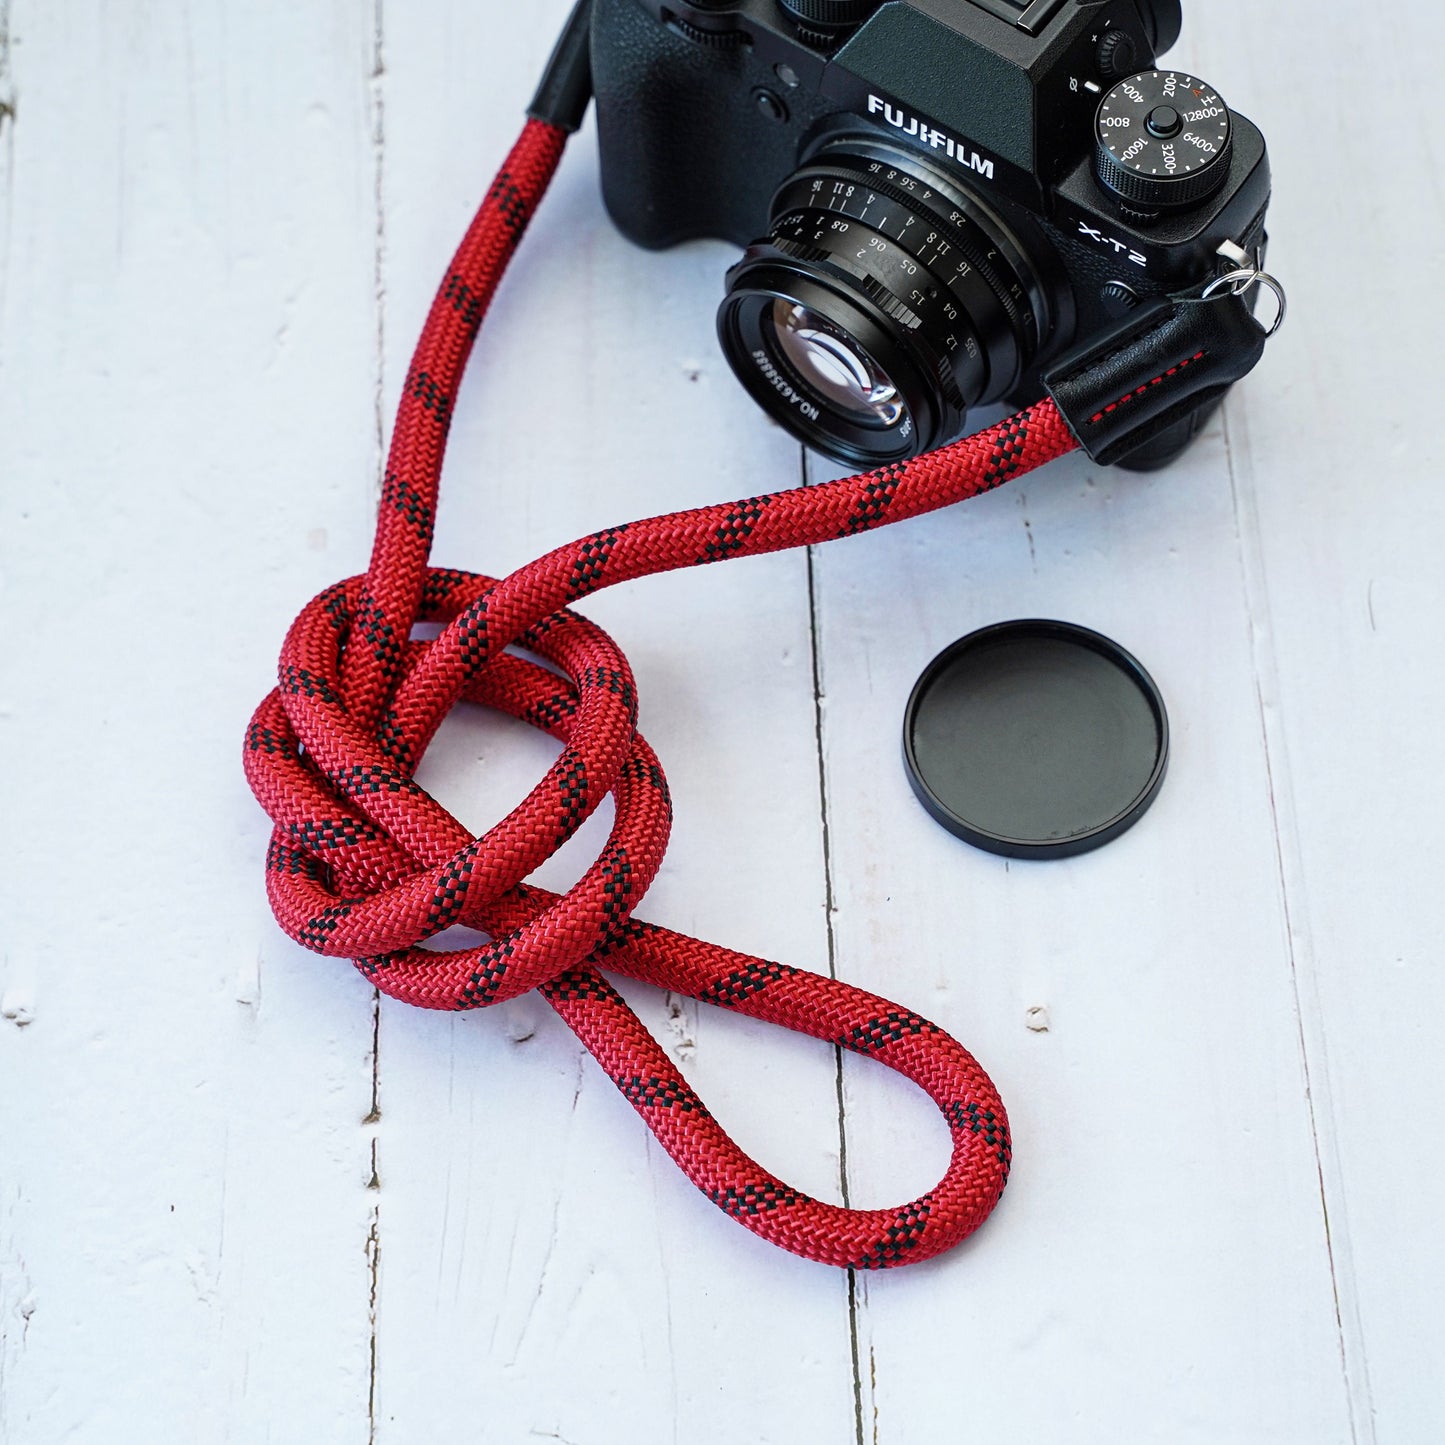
(365, 864)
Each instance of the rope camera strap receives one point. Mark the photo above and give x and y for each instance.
(365, 864)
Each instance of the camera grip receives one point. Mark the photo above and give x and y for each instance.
(1168, 361)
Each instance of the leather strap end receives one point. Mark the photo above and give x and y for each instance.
(1127, 386)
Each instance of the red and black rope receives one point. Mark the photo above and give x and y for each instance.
(365, 864)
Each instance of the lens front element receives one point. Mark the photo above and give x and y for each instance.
(834, 366)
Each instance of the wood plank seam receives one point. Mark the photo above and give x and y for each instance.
(825, 813)
(376, 102)
(1312, 1041)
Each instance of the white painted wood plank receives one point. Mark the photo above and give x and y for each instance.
(1338, 469)
(188, 371)
(1159, 1256)
(187, 342)
(535, 1243)
(1162, 1256)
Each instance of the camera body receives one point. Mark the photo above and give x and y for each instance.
(860, 151)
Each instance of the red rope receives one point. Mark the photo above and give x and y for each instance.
(364, 864)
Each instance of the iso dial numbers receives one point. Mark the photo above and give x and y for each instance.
(1163, 140)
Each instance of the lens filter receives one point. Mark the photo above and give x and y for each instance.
(1036, 739)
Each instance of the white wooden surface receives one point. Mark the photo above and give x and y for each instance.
(240, 1201)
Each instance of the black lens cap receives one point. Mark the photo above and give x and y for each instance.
(1036, 739)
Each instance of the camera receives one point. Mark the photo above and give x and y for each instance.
(939, 201)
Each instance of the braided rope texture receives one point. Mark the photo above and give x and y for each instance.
(364, 864)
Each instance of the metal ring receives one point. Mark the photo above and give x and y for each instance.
(1239, 283)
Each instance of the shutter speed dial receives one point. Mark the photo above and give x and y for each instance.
(1163, 140)
(829, 16)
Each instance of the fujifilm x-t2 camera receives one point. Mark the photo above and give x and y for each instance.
(951, 194)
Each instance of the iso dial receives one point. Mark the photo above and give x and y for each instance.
(1163, 140)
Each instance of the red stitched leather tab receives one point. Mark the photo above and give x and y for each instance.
(1121, 390)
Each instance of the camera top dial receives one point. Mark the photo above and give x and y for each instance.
(825, 20)
(1163, 141)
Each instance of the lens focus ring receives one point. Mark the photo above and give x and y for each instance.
(966, 371)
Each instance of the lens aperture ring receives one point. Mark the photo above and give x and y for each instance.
(875, 228)
(964, 313)
(1001, 254)
(921, 205)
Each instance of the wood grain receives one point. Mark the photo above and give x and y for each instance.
(186, 408)
(242, 1201)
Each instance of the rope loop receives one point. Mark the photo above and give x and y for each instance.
(365, 864)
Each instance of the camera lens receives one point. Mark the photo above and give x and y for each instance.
(887, 300)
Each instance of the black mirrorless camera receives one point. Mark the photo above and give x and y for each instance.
(952, 195)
